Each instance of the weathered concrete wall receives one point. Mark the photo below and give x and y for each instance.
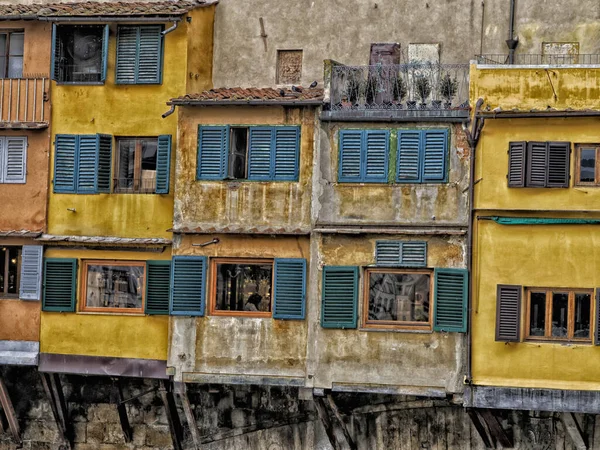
(239, 346)
(242, 204)
(392, 203)
(416, 362)
(343, 31)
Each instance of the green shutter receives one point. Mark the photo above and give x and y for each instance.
(289, 295)
(286, 157)
(339, 300)
(188, 280)
(435, 149)
(213, 149)
(414, 254)
(60, 285)
(65, 163)
(375, 161)
(104, 163)
(163, 164)
(260, 153)
(451, 287)
(158, 282)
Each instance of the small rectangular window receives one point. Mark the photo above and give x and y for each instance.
(559, 314)
(238, 154)
(11, 54)
(242, 287)
(136, 165)
(116, 286)
(398, 299)
(10, 263)
(79, 53)
(587, 166)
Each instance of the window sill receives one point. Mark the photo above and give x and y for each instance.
(563, 343)
(396, 330)
(102, 313)
(240, 315)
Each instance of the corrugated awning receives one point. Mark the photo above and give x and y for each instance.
(103, 240)
(540, 221)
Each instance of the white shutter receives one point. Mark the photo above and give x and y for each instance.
(16, 159)
(31, 272)
(2, 159)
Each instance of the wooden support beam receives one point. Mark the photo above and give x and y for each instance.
(55, 396)
(495, 427)
(480, 427)
(337, 418)
(326, 421)
(9, 412)
(339, 437)
(189, 416)
(122, 410)
(166, 392)
(574, 431)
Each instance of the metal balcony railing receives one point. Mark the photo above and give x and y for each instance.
(539, 60)
(24, 103)
(417, 88)
(134, 186)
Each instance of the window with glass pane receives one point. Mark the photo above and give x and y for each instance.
(244, 287)
(559, 314)
(136, 165)
(112, 285)
(11, 54)
(78, 53)
(588, 156)
(10, 260)
(398, 298)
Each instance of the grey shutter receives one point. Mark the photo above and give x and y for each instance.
(289, 294)
(65, 163)
(150, 54)
(15, 168)
(104, 163)
(537, 164)
(127, 45)
(407, 165)
(260, 145)
(413, 254)
(87, 168)
(163, 164)
(388, 253)
(188, 280)
(339, 301)
(597, 317)
(2, 158)
(31, 272)
(435, 148)
(516, 163)
(451, 296)
(508, 313)
(558, 164)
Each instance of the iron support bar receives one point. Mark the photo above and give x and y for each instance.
(10, 414)
(166, 392)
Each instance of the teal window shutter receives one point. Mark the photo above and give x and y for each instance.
(375, 162)
(450, 304)
(289, 294)
(105, 51)
(388, 253)
(188, 284)
(435, 150)
(158, 283)
(60, 285)
(407, 164)
(213, 149)
(350, 156)
(31, 272)
(339, 301)
(413, 254)
(65, 163)
(127, 50)
(260, 153)
(287, 153)
(163, 164)
(104, 163)
(54, 64)
(87, 168)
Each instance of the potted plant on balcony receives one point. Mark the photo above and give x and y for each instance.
(352, 91)
(399, 90)
(448, 88)
(423, 87)
(371, 87)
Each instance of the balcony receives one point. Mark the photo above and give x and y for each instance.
(574, 59)
(403, 92)
(24, 103)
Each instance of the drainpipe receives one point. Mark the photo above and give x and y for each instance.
(168, 30)
(511, 41)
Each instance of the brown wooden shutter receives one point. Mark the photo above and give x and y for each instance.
(597, 317)
(516, 164)
(558, 164)
(508, 313)
(537, 164)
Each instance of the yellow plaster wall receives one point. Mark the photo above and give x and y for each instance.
(113, 335)
(534, 256)
(492, 191)
(200, 49)
(535, 87)
(419, 360)
(242, 345)
(246, 204)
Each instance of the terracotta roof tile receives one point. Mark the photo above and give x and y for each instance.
(226, 95)
(241, 230)
(94, 8)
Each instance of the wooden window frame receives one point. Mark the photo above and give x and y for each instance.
(4, 70)
(137, 171)
(212, 292)
(548, 315)
(84, 274)
(4, 294)
(394, 324)
(578, 148)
